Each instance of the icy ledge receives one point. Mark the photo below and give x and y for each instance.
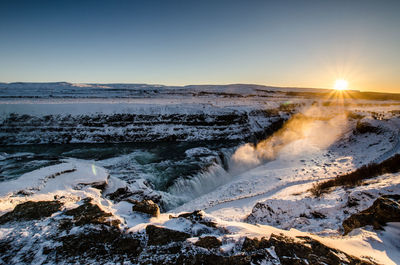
(72, 177)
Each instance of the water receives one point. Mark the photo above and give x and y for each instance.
(184, 169)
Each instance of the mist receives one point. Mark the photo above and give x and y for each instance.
(313, 128)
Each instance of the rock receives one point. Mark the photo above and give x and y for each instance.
(250, 245)
(366, 127)
(208, 242)
(101, 185)
(31, 210)
(300, 250)
(384, 209)
(305, 250)
(120, 194)
(6, 250)
(146, 206)
(201, 223)
(197, 217)
(317, 215)
(194, 216)
(101, 244)
(144, 193)
(201, 259)
(213, 259)
(132, 127)
(352, 202)
(89, 213)
(162, 236)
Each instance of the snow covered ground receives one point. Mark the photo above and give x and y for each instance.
(291, 206)
(265, 188)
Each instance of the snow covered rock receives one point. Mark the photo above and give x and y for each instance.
(181, 125)
(385, 209)
(198, 217)
(90, 237)
(89, 213)
(300, 250)
(138, 190)
(305, 250)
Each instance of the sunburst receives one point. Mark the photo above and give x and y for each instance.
(341, 84)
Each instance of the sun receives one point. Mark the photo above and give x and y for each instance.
(340, 84)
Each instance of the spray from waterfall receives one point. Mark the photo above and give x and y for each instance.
(312, 128)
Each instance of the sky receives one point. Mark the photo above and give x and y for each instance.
(278, 43)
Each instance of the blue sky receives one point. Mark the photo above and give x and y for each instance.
(284, 43)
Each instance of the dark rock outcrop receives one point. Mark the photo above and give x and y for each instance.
(213, 259)
(31, 210)
(161, 236)
(385, 209)
(89, 213)
(101, 245)
(365, 127)
(254, 244)
(146, 206)
(120, 194)
(208, 242)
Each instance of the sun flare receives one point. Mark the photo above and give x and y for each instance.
(341, 84)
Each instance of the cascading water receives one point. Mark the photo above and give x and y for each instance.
(222, 171)
(175, 172)
(203, 182)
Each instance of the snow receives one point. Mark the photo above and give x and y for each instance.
(380, 247)
(45, 180)
(67, 179)
(261, 194)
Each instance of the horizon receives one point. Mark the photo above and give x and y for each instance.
(294, 44)
(200, 84)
